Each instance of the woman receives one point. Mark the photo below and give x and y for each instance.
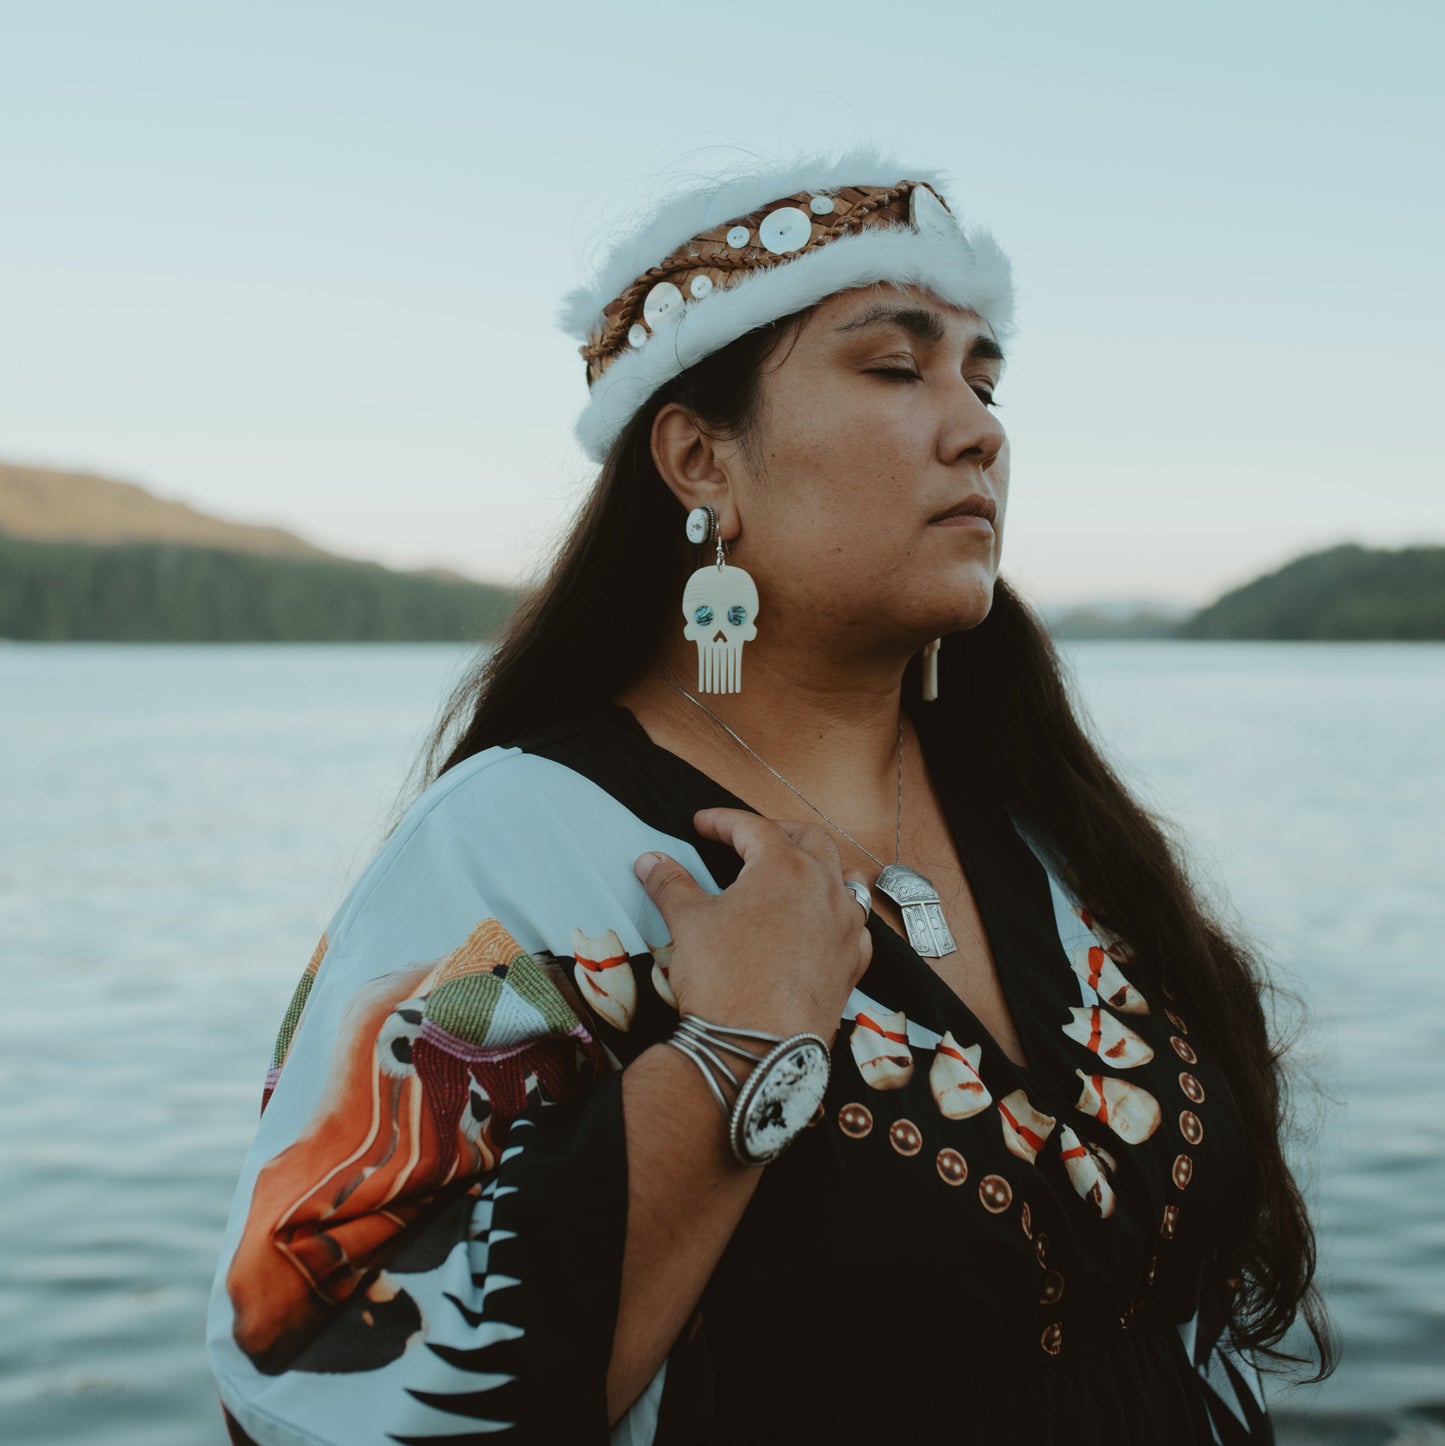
(601, 1104)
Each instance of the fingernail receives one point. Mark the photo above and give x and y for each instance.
(646, 864)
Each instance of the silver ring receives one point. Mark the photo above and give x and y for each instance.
(860, 892)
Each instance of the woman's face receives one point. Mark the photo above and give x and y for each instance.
(873, 421)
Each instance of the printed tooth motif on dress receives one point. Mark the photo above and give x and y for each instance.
(880, 1046)
(1103, 976)
(1024, 1128)
(604, 976)
(1097, 1030)
(1114, 946)
(432, 1064)
(1129, 1110)
(662, 972)
(958, 1090)
(1084, 1172)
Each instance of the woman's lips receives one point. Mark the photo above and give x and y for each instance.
(964, 519)
(976, 504)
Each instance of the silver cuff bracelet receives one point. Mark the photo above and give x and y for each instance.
(780, 1093)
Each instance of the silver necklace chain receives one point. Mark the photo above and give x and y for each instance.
(898, 830)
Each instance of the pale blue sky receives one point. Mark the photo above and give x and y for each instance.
(299, 263)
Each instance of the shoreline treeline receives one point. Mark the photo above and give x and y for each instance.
(166, 592)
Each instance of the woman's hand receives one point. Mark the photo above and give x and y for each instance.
(783, 946)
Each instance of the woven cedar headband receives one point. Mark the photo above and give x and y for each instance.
(721, 260)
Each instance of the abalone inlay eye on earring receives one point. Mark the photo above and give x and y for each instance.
(737, 615)
(703, 616)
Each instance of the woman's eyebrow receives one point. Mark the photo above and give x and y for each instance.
(923, 324)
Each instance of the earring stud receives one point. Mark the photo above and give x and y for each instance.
(701, 524)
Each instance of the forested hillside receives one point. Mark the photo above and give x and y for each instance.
(1346, 593)
(163, 592)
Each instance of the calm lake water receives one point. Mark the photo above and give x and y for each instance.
(179, 823)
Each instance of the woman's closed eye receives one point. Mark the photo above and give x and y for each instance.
(909, 374)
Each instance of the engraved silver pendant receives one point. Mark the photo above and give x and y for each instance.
(921, 909)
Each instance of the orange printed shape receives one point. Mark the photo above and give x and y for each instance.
(407, 1110)
(324, 1206)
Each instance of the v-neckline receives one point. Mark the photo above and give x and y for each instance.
(968, 844)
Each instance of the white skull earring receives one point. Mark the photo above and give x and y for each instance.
(719, 607)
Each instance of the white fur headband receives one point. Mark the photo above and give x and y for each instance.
(720, 260)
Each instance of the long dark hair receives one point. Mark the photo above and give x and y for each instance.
(626, 558)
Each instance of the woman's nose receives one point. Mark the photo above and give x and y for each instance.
(970, 429)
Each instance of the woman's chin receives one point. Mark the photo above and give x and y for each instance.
(971, 600)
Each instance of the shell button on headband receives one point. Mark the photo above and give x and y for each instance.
(784, 230)
(662, 300)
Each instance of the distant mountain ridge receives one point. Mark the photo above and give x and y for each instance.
(46, 504)
(84, 557)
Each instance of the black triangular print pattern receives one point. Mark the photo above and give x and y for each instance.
(480, 1237)
(1233, 1390)
(496, 1401)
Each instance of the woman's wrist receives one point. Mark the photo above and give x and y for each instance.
(723, 1057)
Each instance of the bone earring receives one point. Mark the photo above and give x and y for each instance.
(719, 605)
(930, 670)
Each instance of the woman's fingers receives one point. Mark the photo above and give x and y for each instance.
(668, 885)
(750, 835)
(783, 945)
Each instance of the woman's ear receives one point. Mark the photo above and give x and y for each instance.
(696, 467)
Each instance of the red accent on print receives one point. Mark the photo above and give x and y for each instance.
(957, 1054)
(1036, 1140)
(596, 966)
(886, 1033)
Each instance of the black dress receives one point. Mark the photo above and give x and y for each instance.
(959, 1248)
